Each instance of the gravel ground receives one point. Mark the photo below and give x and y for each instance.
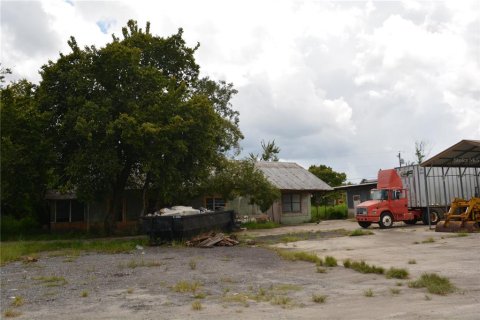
(245, 282)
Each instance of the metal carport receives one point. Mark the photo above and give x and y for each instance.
(464, 157)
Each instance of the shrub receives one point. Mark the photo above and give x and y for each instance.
(319, 298)
(434, 283)
(362, 267)
(360, 232)
(300, 255)
(330, 261)
(397, 273)
(11, 227)
(329, 212)
(196, 305)
(368, 293)
(185, 286)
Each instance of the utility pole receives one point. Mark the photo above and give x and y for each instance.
(400, 160)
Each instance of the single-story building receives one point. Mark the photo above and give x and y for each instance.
(297, 186)
(357, 194)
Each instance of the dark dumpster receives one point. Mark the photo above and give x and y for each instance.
(183, 227)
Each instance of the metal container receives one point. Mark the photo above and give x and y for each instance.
(182, 227)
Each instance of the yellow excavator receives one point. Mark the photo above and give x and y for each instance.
(463, 216)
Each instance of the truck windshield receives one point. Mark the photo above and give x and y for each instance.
(379, 194)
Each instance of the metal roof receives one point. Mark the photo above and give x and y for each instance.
(357, 186)
(291, 176)
(464, 154)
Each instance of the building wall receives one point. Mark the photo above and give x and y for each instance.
(94, 214)
(303, 216)
(241, 207)
(363, 192)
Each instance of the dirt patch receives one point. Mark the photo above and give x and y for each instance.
(245, 282)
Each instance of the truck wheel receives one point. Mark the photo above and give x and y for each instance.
(435, 217)
(386, 220)
(364, 224)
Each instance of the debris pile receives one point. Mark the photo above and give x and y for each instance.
(178, 211)
(208, 240)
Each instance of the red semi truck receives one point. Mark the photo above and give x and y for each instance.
(388, 203)
(402, 193)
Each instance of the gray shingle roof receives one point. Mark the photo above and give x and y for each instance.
(291, 176)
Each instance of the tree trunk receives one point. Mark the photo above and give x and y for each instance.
(115, 200)
(145, 195)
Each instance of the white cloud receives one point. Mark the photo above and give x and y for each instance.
(347, 84)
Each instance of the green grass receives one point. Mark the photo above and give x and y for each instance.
(394, 291)
(11, 313)
(429, 240)
(299, 256)
(287, 239)
(397, 273)
(187, 286)
(434, 283)
(197, 305)
(412, 261)
(330, 262)
(362, 267)
(52, 281)
(329, 212)
(84, 294)
(15, 250)
(321, 270)
(262, 225)
(193, 264)
(368, 293)
(281, 300)
(18, 301)
(319, 298)
(286, 287)
(360, 232)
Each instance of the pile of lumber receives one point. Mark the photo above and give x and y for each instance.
(208, 240)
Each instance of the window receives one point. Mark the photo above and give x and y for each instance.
(213, 203)
(77, 211)
(68, 211)
(62, 212)
(291, 202)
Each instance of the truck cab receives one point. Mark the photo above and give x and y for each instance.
(387, 204)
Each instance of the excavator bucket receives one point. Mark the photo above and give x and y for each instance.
(458, 226)
(463, 216)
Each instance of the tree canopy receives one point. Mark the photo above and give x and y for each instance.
(328, 175)
(241, 178)
(26, 154)
(135, 112)
(270, 152)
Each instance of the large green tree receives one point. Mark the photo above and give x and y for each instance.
(135, 112)
(26, 154)
(328, 175)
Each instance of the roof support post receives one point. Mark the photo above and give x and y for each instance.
(461, 182)
(428, 199)
(477, 189)
(444, 189)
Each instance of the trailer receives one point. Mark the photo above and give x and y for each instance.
(434, 188)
